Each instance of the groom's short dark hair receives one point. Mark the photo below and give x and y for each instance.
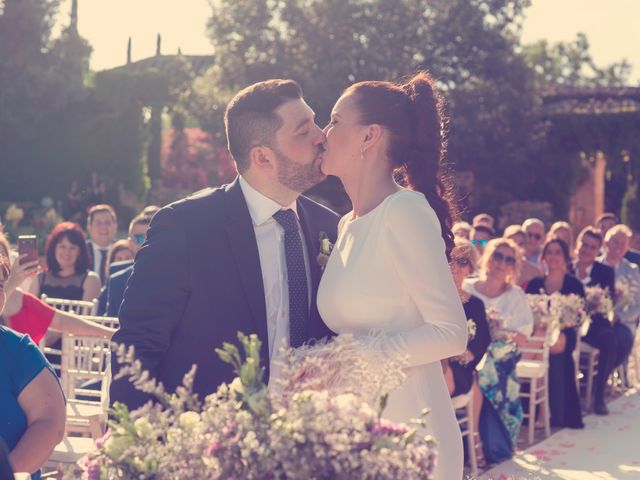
(250, 119)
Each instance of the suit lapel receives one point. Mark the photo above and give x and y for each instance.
(244, 248)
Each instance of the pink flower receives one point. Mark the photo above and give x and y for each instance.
(214, 447)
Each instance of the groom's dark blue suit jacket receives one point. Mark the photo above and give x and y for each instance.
(196, 282)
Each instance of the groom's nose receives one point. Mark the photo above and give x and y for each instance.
(319, 137)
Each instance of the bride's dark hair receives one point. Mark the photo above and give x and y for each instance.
(413, 115)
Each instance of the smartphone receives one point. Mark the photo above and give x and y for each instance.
(28, 244)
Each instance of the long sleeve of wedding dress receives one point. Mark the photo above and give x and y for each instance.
(418, 253)
(388, 273)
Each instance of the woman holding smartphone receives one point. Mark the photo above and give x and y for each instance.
(67, 272)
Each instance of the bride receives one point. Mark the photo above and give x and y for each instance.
(389, 268)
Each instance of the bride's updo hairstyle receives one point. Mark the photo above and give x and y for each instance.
(413, 116)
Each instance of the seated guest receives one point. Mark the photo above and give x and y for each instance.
(529, 270)
(564, 400)
(627, 310)
(460, 371)
(501, 415)
(484, 219)
(67, 272)
(121, 251)
(534, 227)
(113, 292)
(606, 221)
(461, 230)
(102, 227)
(480, 236)
(562, 230)
(32, 409)
(25, 313)
(601, 334)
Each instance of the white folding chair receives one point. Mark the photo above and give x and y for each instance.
(79, 307)
(463, 405)
(85, 359)
(535, 371)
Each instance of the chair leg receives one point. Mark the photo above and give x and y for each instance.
(533, 388)
(471, 438)
(589, 392)
(547, 410)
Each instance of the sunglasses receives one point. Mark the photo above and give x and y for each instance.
(507, 259)
(462, 261)
(139, 239)
(536, 236)
(482, 243)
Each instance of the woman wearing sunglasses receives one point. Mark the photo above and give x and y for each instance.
(32, 409)
(512, 323)
(564, 400)
(460, 371)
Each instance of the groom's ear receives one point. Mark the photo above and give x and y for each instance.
(261, 158)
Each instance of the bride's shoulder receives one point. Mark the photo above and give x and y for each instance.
(411, 206)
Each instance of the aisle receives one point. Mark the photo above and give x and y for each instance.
(607, 449)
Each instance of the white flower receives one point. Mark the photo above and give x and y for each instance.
(236, 386)
(118, 443)
(188, 420)
(143, 427)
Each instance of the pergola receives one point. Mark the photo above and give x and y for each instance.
(601, 127)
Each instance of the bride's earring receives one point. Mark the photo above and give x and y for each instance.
(362, 153)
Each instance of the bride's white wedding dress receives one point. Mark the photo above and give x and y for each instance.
(388, 271)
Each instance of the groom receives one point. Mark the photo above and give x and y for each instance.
(237, 258)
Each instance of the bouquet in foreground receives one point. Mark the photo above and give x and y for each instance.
(314, 425)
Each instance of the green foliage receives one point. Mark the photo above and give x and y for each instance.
(571, 63)
(326, 45)
(631, 208)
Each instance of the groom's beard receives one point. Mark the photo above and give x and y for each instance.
(296, 176)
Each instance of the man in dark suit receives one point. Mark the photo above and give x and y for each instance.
(601, 334)
(237, 258)
(102, 227)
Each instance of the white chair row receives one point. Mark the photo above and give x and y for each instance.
(82, 359)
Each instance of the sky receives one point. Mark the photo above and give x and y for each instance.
(612, 27)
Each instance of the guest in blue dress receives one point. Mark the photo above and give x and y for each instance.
(32, 406)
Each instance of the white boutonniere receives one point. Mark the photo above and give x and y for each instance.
(325, 250)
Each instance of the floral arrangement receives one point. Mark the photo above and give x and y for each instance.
(472, 329)
(542, 308)
(570, 310)
(598, 302)
(627, 293)
(13, 215)
(496, 324)
(315, 425)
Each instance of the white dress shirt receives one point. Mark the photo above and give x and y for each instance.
(270, 238)
(587, 278)
(97, 255)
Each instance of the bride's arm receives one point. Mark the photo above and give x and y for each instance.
(418, 253)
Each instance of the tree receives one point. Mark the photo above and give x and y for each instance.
(469, 46)
(631, 208)
(571, 64)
